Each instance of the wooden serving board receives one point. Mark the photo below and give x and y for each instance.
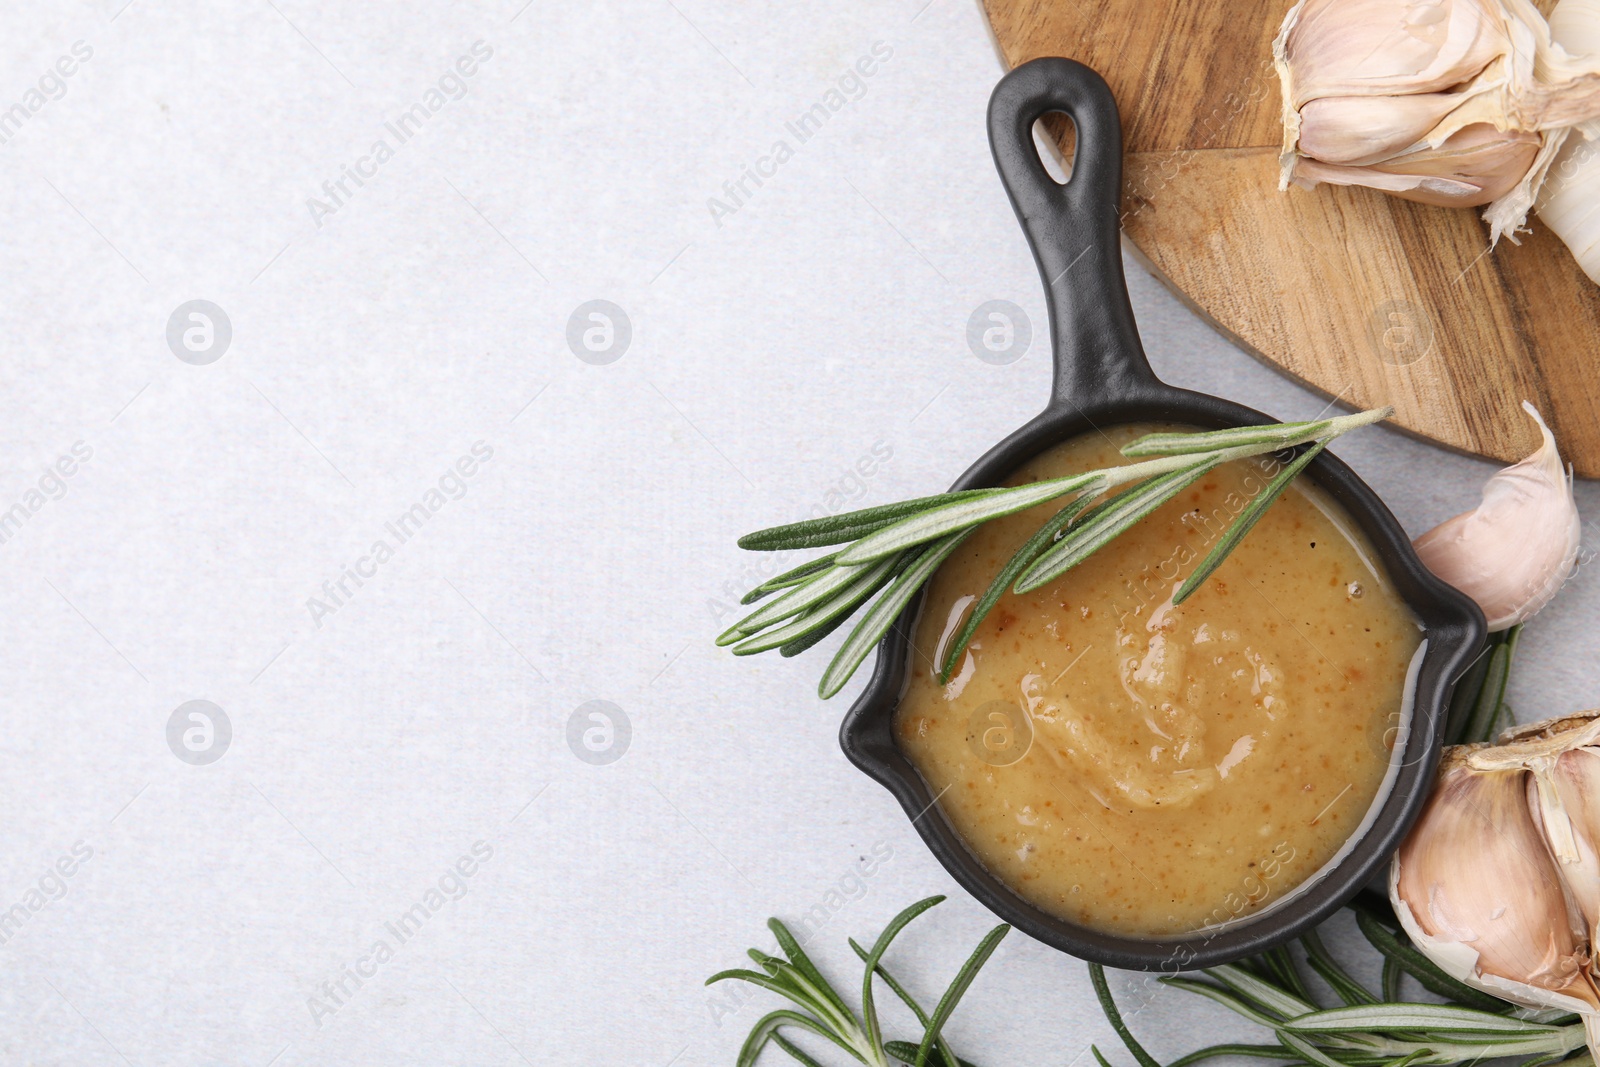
(1361, 296)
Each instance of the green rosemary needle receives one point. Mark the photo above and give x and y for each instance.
(1364, 1029)
(891, 551)
(823, 1013)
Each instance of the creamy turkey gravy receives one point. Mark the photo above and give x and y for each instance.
(1147, 769)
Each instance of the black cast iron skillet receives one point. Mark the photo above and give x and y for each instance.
(1103, 379)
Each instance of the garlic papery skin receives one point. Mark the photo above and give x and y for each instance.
(1512, 552)
(1569, 201)
(1449, 102)
(1477, 891)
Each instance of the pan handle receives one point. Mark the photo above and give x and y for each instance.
(1073, 229)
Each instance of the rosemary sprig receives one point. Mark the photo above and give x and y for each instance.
(892, 550)
(1365, 1028)
(1478, 707)
(1020, 562)
(1101, 526)
(825, 1014)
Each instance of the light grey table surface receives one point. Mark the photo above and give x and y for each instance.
(377, 338)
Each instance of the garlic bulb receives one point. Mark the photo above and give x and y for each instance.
(1508, 935)
(1512, 553)
(1450, 102)
(1569, 202)
(1498, 882)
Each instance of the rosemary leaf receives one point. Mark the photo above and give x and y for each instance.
(1265, 1052)
(1346, 988)
(879, 947)
(1307, 1051)
(1392, 973)
(1420, 967)
(1224, 997)
(889, 980)
(739, 974)
(1480, 726)
(837, 529)
(1179, 444)
(1097, 978)
(800, 644)
(802, 963)
(778, 981)
(768, 1025)
(1433, 1018)
(1546, 1059)
(876, 622)
(899, 922)
(799, 1054)
(1107, 522)
(966, 514)
(908, 1051)
(789, 578)
(1416, 1056)
(812, 592)
(1008, 574)
(824, 1004)
(868, 581)
(1278, 436)
(812, 992)
(1245, 522)
(958, 988)
(1504, 719)
(1262, 992)
(1283, 968)
(1351, 994)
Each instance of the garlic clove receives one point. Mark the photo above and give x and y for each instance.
(1379, 47)
(1569, 201)
(1357, 130)
(1564, 794)
(1575, 26)
(1512, 553)
(1569, 811)
(1480, 155)
(1476, 890)
(1473, 167)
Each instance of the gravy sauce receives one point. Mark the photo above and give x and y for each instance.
(1148, 769)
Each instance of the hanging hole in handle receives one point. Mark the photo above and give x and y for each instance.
(1055, 137)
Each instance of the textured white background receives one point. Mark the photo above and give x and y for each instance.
(585, 561)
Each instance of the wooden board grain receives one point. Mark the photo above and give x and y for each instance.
(1361, 296)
